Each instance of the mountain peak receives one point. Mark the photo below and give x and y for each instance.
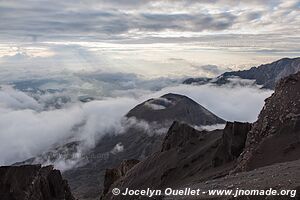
(165, 109)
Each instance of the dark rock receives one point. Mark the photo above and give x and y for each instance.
(233, 142)
(234, 137)
(179, 135)
(33, 182)
(112, 175)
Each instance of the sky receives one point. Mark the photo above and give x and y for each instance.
(167, 38)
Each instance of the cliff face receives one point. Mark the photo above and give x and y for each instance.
(233, 142)
(186, 155)
(112, 175)
(275, 136)
(179, 135)
(33, 182)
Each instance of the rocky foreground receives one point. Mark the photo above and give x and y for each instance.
(33, 182)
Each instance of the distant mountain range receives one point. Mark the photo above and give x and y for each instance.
(266, 75)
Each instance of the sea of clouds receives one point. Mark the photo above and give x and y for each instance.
(29, 126)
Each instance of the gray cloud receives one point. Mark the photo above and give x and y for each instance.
(123, 34)
(107, 20)
(61, 23)
(230, 26)
(187, 22)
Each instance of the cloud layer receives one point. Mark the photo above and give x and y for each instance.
(28, 129)
(26, 132)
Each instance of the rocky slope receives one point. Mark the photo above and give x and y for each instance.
(33, 182)
(137, 142)
(112, 175)
(278, 125)
(277, 176)
(186, 155)
(266, 75)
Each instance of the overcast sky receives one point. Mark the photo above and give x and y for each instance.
(151, 38)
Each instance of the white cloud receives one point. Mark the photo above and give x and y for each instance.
(27, 130)
(210, 127)
(11, 98)
(232, 103)
(155, 106)
(158, 103)
(25, 133)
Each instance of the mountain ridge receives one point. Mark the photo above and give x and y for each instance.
(266, 75)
